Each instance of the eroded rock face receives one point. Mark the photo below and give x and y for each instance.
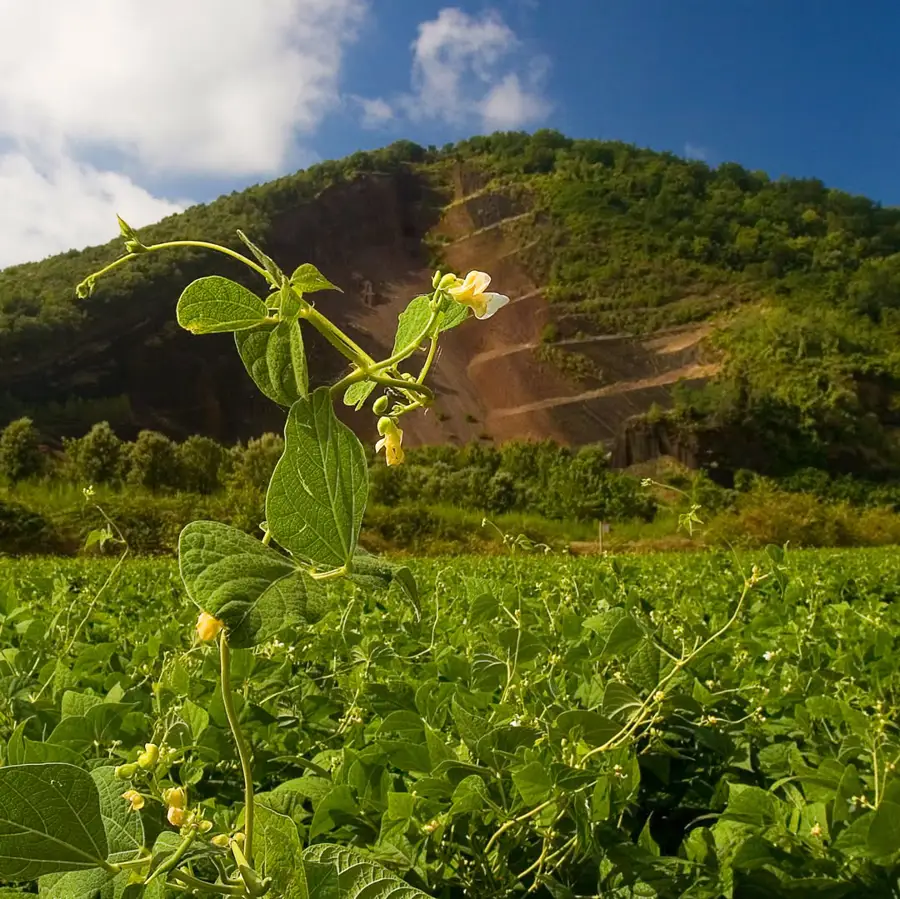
(371, 237)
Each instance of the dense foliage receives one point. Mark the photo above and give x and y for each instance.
(472, 745)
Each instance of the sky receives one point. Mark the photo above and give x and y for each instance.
(143, 108)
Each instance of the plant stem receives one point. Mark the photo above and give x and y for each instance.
(336, 337)
(429, 359)
(219, 889)
(240, 743)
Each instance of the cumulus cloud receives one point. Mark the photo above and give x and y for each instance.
(212, 86)
(376, 113)
(60, 205)
(172, 87)
(471, 68)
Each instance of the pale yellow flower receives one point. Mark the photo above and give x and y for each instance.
(134, 799)
(208, 627)
(175, 797)
(175, 816)
(391, 442)
(472, 293)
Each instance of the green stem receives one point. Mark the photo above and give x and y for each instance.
(220, 889)
(203, 245)
(169, 864)
(239, 742)
(337, 338)
(413, 345)
(408, 386)
(432, 350)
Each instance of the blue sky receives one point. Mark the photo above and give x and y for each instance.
(155, 118)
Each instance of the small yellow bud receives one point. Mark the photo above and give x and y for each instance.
(238, 838)
(134, 799)
(125, 772)
(149, 757)
(175, 816)
(380, 405)
(175, 797)
(204, 826)
(208, 627)
(221, 840)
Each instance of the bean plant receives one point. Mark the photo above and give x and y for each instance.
(83, 832)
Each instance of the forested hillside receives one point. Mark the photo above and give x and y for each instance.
(658, 304)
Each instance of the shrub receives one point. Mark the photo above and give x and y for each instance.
(24, 531)
(254, 463)
(153, 462)
(97, 457)
(20, 451)
(200, 460)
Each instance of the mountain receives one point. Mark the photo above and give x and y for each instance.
(658, 305)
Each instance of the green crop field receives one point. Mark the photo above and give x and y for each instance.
(695, 725)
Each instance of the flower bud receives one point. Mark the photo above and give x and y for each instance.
(385, 424)
(221, 840)
(125, 772)
(380, 405)
(436, 279)
(208, 627)
(449, 280)
(149, 757)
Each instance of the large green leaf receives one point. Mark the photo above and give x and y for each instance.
(317, 496)
(415, 317)
(214, 303)
(279, 854)
(884, 831)
(124, 827)
(50, 820)
(253, 589)
(274, 357)
(360, 876)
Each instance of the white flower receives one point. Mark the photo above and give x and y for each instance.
(769, 655)
(471, 292)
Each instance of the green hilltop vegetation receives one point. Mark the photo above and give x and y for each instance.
(802, 280)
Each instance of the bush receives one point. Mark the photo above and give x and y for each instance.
(20, 451)
(253, 464)
(97, 457)
(153, 462)
(24, 531)
(200, 460)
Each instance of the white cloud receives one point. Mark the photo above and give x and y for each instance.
(376, 113)
(692, 151)
(177, 87)
(214, 86)
(62, 205)
(465, 68)
(507, 105)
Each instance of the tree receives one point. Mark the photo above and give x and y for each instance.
(20, 451)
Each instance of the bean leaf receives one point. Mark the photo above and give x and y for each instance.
(415, 317)
(50, 821)
(212, 304)
(316, 499)
(308, 279)
(253, 589)
(274, 357)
